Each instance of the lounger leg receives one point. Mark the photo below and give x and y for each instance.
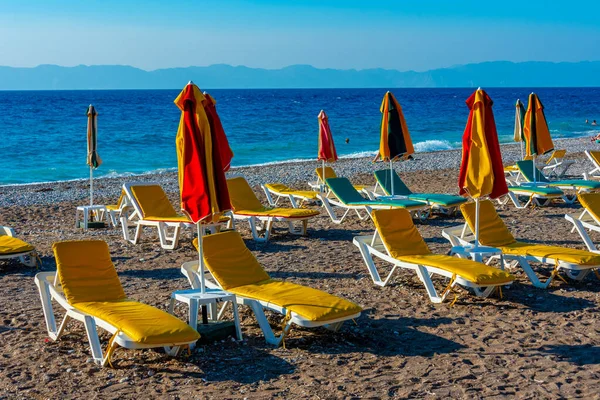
(293, 201)
(423, 275)
(532, 276)
(46, 299)
(268, 195)
(582, 232)
(92, 334)
(29, 260)
(370, 263)
(330, 211)
(578, 275)
(334, 327)
(261, 318)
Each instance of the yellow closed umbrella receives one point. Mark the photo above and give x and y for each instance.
(535, 129)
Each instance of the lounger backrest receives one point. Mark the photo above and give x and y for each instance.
(398, 233)
(342, 189)
(229, 260)
(526, 169)
(241, 195)
(556, 155)
(595, 155)
(153, 201)
(86, 271)
(591, 202)
(492, 231)
(329, 173)
(383, 178)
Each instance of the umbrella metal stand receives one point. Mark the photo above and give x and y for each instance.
(201, 267)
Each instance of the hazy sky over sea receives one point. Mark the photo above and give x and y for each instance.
(397, 34)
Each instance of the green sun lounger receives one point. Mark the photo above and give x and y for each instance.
(445, 202)
(344, 195)
(526, 170)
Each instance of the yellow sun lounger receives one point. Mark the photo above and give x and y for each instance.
(13, 247)
(397, 241)
(86, 285)
(247, 207)
(556, 165)
(151, 207)
(594, 157)
(493, 233)
(588, 219)
(276, 191)
(320, 184)
(235, 269)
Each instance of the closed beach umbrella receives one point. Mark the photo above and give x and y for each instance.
(535, 129)
(202, 183)
(224, 151)
(93, 159)
(327, 151)
(395, 141)
(481, 170)
(519, 120)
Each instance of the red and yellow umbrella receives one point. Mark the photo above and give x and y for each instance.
(326, 151)
(216, 128)
(481, 170)
(202, 183)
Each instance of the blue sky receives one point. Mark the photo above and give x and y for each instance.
(399, 34)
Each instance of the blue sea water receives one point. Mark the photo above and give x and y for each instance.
(43, 133)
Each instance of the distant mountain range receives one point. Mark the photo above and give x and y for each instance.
(488, 74)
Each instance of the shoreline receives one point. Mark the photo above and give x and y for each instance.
(292, 172)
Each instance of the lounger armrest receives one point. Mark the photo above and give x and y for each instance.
(7, 231)
(460, 235)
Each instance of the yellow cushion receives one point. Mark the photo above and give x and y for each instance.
(229, 260)
(282, 189)
(557, 154)
(154, 203)
(398, 232)
(565, 254)
(492, 231)
(13, 245)
(472, 271)
(591, 202)
(290, 213)
(86, 271)
(141, 322)
(237, 270)
(329, 173)
(115, 207)
(511, 168)
(241, 195)
(312, 304)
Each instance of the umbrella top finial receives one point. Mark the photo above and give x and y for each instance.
(190, 83)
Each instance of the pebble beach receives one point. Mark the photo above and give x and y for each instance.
(531, 343)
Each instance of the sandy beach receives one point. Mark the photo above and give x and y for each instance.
(532, 343)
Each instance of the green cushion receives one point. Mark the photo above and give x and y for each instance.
(347, 194)
(526, 169)
(447, 200)
(540, 190)
(579, 183)
(383, 178)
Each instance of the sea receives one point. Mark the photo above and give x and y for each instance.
(43, 133)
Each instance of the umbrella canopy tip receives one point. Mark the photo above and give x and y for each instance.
(190, 83)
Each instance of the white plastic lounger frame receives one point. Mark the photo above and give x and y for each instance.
(330, 203)
(190, 270)
(370, 246)
(532, 198)
(295, 199)
(264, 225)
(582, 222)
(168, 242)
(114, 217)
(594, 173)
(27, 258)
(557, 166)
(462, 236)
(378, 192)
(49, 290)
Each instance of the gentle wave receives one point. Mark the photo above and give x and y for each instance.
(434, 145)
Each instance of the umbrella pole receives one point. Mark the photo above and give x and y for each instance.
(201, 269)
(323, 161)
(534, 169)
(392, 176)
(522, 155)
(477, 222)
(91, 186)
